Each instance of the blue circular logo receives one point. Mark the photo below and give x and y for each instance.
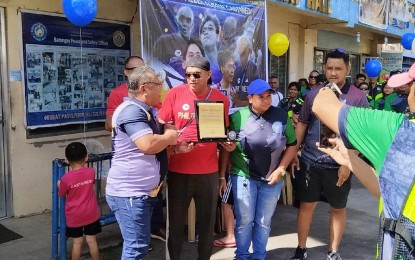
(39, 31)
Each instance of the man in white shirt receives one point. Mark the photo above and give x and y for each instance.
(275, 85)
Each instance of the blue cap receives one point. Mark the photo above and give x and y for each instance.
(258, 87)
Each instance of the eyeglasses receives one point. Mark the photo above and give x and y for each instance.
(152, 82)
(130, 68)
(230, 67)
(312, 77)
(196, 75)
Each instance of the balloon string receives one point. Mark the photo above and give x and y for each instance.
(82, 83)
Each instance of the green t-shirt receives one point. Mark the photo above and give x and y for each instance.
(369, 131)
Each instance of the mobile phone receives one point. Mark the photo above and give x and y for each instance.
(335, 89)
(325, 132)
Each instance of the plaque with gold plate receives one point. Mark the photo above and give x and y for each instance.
(210, 122)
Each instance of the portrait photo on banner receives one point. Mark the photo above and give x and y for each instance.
(229, 34)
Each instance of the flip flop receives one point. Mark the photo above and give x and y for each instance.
(220, 243)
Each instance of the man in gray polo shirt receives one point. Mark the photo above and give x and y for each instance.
(139, 159)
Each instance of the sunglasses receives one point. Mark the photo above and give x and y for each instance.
(196, 75)
(130, 68)
(312, 77)
(338, 50)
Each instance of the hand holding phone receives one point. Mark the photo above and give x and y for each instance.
(325, 132)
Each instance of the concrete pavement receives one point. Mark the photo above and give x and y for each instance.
(358, 243)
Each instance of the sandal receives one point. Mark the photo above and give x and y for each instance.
(221, 243)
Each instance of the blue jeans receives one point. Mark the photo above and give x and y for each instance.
(133, 215)
(254, 205)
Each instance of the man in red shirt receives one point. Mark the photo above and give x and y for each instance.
(117, 94)
(193, 174)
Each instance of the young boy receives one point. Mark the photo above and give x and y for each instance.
(81, 208)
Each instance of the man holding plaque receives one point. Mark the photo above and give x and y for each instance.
(192, 173)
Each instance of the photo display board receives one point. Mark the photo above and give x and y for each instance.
(69, 71)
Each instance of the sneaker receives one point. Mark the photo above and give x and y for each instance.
(150, 247)
(300, 254)
(331, 255)
(159, 234)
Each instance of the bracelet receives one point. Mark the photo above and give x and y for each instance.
(411, 116)
(221, 178)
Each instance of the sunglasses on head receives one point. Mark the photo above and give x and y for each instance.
(338, 50)
(196, 75)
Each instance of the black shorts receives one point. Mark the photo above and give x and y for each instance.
(312, 182)
(90, 230)
(227, 196)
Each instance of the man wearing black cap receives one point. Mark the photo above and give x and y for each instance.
(193, 173)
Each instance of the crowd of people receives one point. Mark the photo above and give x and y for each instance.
(156, 143)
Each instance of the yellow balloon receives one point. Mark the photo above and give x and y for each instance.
(278, 44)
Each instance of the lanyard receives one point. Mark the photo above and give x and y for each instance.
(193, 117)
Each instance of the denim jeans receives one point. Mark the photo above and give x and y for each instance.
(133, 215)
(254, 205)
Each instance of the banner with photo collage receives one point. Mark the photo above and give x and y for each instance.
(69, 71)
(229, 33)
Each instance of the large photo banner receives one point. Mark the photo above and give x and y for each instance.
(398, 14)
(230, 34)
(67, 82)
(374, 13)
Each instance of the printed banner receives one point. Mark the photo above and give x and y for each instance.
(68, 71)
(374, 13)
(411, 11)
(391, 60)
(230, 34)
(398, 14)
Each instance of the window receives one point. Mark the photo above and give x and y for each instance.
(278, 66)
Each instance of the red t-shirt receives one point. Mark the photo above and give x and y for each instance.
(178, 107)
(116, 97)
(81, 207)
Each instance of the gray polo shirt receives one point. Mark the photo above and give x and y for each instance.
(132, 172)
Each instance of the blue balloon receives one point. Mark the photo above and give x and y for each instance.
(407, 39)
(80, 12)
(373, 68)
